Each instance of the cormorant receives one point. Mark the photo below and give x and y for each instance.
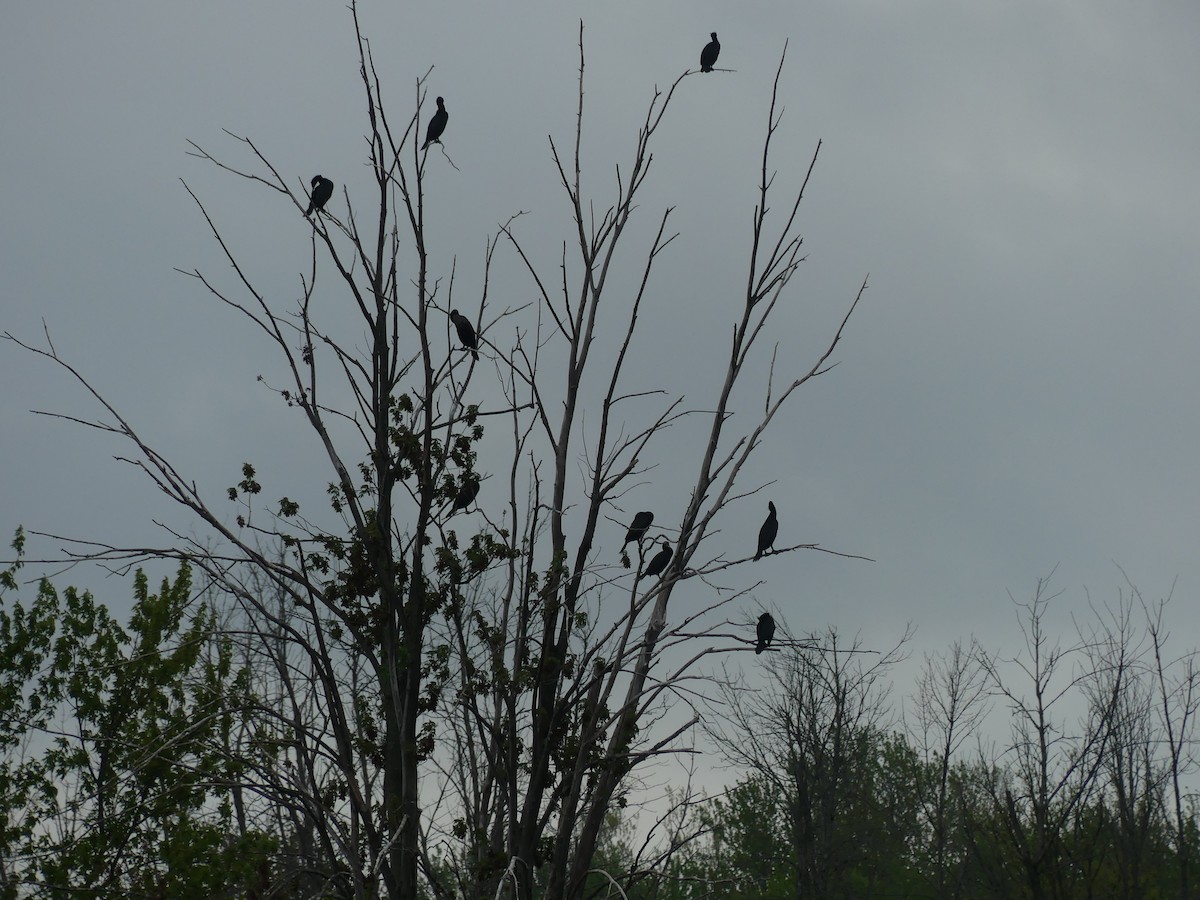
(766, 632)
(466, 496)
(659, 563)
(708, 56)
(466, 332)
(437, 124)
(637, 530)
(766, 534)
(322, 190)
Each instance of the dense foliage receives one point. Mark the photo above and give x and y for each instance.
(120, 747)
(114, 780)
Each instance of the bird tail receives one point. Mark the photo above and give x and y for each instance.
(760, 648)
(475, 355)
(758, 555)
(308, 212)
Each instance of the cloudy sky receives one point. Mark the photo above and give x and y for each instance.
(1019, 179)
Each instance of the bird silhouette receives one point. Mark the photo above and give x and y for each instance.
(437, 124)
(637, 530)
(322, 190)
(659, 563)
(766, 632)
(466, 496)
(708, 56)
(466, 332)
(766, 534)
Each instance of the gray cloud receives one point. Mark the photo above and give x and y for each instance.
(1017, 390)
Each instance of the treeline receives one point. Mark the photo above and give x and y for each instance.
(135, 761)
(882, 837)
(1086, 792)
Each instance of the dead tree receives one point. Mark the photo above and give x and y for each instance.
(1176, 699)
(951, 703)
(813, 733)
(446, 682)
(1051, 768)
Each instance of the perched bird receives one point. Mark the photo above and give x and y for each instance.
(708, 56)
(466, 496)
(466, 332)
(766, 534)
(659, 563)
(637, 530)
(322, 190)
(766, 632)
(437, 124)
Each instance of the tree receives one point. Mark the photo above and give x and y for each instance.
(748, 853)
(108, 771)
(445, 676)
(1134, 776)
(1175, 694)
(949, 707)
(816, 737)
(1041, 801)
(1062, 810)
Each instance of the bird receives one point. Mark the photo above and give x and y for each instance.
(659, 563)
(437, 124)
(322, 190)
(708, 56)
(766, 534)
(766, 632)
(466, 496)
(637, 530)
(466, 332)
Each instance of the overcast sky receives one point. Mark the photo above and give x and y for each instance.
(1020, 180)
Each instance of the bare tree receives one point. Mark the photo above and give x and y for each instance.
(1131, 775)
(1176, 699)
(814, 733)
(951, 704)
(1135, 778)
(1050, 769)
(444, 674)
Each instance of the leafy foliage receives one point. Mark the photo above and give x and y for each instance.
(112, 781)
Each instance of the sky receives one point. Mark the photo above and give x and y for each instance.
(1014, 396)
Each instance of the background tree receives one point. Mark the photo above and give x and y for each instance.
(817, 738)
(749, 854)
(949, 707)
(1042, 798)
(1176, 700)
(110, 782)
(935, 811)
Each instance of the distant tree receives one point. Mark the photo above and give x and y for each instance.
(434, 666)
(1134, 775)
(1053, 772)
(936, 812)
(817, 737)
(746, 851)
(110, 777)
(1175, 697)
(950, 704)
